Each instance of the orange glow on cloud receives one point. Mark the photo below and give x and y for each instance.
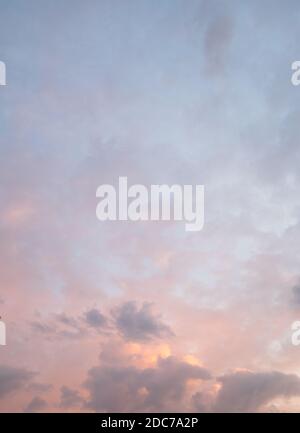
(147, 356)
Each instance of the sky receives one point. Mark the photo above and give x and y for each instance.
(123, 316)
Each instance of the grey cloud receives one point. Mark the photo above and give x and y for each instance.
(36, 404)
(42, 328)
(53, 332)
(296, 296)
(202, 402)
(95, 318)
(113, 388)
(133, 323)
(247, 391)
(67, 320)
(69, 398)
(139, 324)
(129, 388)
(166, 383)
(61, 325)
(13, 379)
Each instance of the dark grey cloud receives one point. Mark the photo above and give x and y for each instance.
(166, 384)
(95, 318)
(69, 398)
(139, 324)
(12, 379)
(36, 404)
(128, 388)
(202, 402)
(113, 389)
(247, 391)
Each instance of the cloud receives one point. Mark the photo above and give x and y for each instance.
(39, 387)
(60, 326)
(202, 401)
(36, 404)
(166, 384)
(216, 43)
(131, 322)
(129, 388)
(64, 326)
(95, 318)
(247, 391)
(139, 324)
(12, 379)
(59, 329)
(42, 328)
(67, 320)
(296, 296)
(69, 398)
